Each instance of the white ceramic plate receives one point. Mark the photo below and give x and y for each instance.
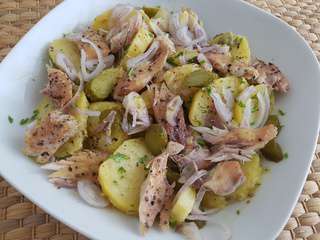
(23, 73)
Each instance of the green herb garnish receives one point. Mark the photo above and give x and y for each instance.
(34, 116)
(281, 113)
(10, 119)
(255, 109)
(201, 142)
(122, 171)
(238, 212)
(118, 157)
(202, 62)
(241, 104)
(143, 160)
(285, 155)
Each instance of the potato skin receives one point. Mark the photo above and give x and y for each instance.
(123, 173)
(101, 87)
(68, 48)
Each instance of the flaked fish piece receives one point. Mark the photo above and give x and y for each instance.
(165, 212)
(43, 140)
(59, 87)
(225, 178)
(176, 133)
(82, 165)
(245, 138)
(139, 76)
(224, 64)
(99, 39)
(154, 191)
(271, 75)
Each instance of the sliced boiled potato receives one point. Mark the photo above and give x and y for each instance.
(211, 201)
(156, 138)
(93, 122)
(68, 48)
(102, 21)
(253, 172)
(200, 111)
(239, 45)
(122, 175)
(240, 106)
(175, 80)
(148, 96)
(101, 87)
(190, 55)
(76, 143)
(235, 84)
(118, 136)
(183, 206)
(44, 108)
(99, 140)
(139, 45)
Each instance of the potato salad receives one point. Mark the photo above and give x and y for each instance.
(144, 112)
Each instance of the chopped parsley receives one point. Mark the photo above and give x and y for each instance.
(172, 62)
(238, 212)
(209, 90)
(173, 223)
(241, 104)
(255, 109)
(201, 142)
(202, 62)
(242, 81)
(10, 119)
(192, 60)
(285, 155)
(281, 113)
(115, 182)
(130, 73)
(122, 171)
(119, 157)
(143, 160)
(26, 121)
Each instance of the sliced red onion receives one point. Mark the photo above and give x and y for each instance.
(225, 229)
(88, 112)
(212, 131)
(246, 94)
(91, 194)
(92, 64)
(76, 95)
(187, 172)
(174, 148)
(204, 62)
(190, 230)
(216, 48)
(147, 56)
(136, 107)
(227, 153)
(245, 123)
(224, 112)
(120, 12)
(173, 107)
(110, 120)
(101, 65)
(229, 98)
(197, 175)
(264, 108)
(66, 65)
(180, 33)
